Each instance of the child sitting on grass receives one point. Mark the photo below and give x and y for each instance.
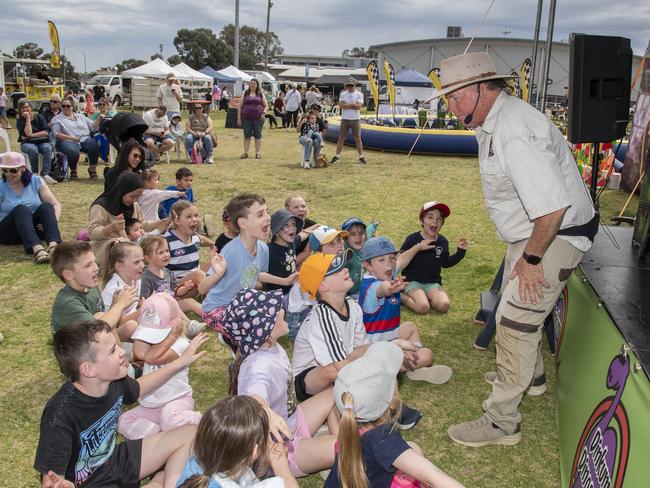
(285, 236)
(255, 321)
(358, 234)
(333, 334)
(159, 340)
(151, 197)
(123, 265)
(73, 262)
(185, 242)
(241, 261)
(77, 443)
(370, 449)
(232, 440)
(298, 207)
(134, 230)
(424, 290)
(156, 278)
(379, 299)
(228, 234)
(184, 177)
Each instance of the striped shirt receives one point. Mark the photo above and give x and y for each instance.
(77, 125)
(327, 337)
(184, 256)
(381, 316)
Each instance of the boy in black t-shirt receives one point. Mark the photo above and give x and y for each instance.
(424, 290)
(286, 237)
(77, 443)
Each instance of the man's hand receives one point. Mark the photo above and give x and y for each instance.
(192, 353)
(531, 280)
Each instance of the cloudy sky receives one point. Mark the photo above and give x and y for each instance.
(113, 30)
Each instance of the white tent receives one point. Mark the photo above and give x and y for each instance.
(155, 69)
(192, 73)
(236, 73)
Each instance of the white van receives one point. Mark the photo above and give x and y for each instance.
(112, 84)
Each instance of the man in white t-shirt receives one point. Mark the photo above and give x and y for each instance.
(170, 95)
(292, 101)
(350, 102)
(157, 137)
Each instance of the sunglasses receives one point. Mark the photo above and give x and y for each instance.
(198, 108)
(66, 105)
(55, 101)
(101, 104)
(137, 156)
(13, 171)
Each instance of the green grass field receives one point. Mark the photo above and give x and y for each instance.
(390, 189)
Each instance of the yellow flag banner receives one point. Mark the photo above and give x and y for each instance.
(373, 80)
(435, 79)
(390, 82)
(524, 74)
(55, 60)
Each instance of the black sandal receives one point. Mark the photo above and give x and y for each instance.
(41, 257)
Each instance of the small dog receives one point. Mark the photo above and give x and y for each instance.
(321, 161)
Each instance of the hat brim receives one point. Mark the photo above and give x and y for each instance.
(441, 207)
(150, 335)
(337, 263)
(284, 221)
(315, 243)
(463, 84)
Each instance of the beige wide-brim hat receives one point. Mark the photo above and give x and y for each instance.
(466, 69)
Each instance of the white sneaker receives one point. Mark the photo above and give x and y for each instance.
(210, 159)
(306, 165)
(49, 180)
(194, 327)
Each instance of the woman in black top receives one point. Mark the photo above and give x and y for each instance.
(34, 138)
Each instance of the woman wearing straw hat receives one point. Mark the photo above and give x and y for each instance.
(29, 212)
(541, 209)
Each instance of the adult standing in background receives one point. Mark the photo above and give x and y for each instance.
(278, 108)
(350, 102)
(541, 209)
(312, 97)
(250, 116)
(170, 95)
(292, 104)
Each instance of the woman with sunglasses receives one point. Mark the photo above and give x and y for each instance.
(199, 126)
(34, 138)
(130, 158)
(29, 212)
(72, 132)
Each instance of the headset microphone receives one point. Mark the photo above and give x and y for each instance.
(470, 116)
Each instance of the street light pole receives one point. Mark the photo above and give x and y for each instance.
(266, 46)
(236, 54)
(64, 60)
(84, 53)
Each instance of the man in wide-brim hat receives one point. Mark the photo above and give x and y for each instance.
(541, 209)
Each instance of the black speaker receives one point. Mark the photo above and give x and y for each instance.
(600, 72)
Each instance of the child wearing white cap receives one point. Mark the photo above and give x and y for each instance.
(374, 451)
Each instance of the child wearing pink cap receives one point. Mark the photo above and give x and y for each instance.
(159, 340)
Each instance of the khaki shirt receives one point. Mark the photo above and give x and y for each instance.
(528, 171)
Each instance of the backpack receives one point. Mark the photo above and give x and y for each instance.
(198, 153)
(59, 169)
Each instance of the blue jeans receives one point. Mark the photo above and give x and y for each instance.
(312, 140)
(73, 149)
(33, 150)
(104, 146)
(189, 142)
(19, 226)
(295, 320)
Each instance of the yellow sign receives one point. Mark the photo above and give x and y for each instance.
(55, 60)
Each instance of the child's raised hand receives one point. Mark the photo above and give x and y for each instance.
(180, 194)
(397, 285)
(462, 243)
(192, 353)
(426, 244)
(125, 297)
(217, 261)
(53, 480)
(291, 279)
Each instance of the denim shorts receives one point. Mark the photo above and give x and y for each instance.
(252, 128)
(3, 112)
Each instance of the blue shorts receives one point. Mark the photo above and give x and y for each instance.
(3, 112)
(252, 128)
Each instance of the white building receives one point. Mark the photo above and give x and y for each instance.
(508, 55)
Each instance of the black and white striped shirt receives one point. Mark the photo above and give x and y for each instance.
(184, 256)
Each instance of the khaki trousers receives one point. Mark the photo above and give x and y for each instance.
(519, 331)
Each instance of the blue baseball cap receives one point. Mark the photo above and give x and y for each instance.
(350, 222)
(377, 246)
